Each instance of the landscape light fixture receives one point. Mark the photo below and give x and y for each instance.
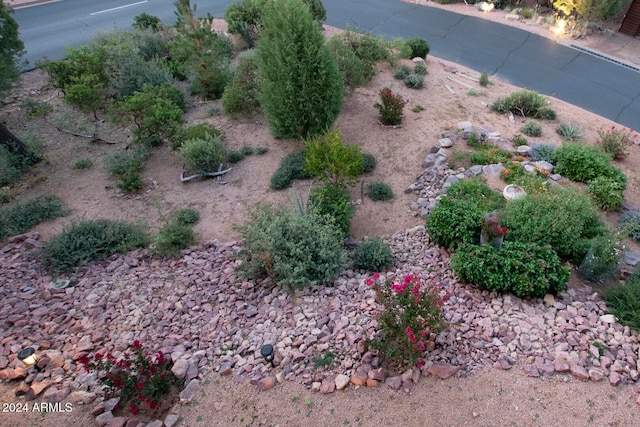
(28, 356)
(267, 353)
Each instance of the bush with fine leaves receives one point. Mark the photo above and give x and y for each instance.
(623, 301)
(240, 97)
(583, 163)
(334, 202)
(203, 155)
(291, 167)
(22, 216)
(297, 248)
(373, 255)
(524, 103)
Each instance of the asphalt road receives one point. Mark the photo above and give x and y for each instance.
(508, 53)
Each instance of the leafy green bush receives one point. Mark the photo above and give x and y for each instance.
(355, 70)
(569, 132)
(629, 221)
(373, 255)
(564, 218)
(419, 47)
(296, 248)
(607, 193)
(23, 216)
(187, 216)
(532, 183)
(203, 155)
(334, 202)
(524, 103)
(291, 167)
(402, 73)
(623, 301)
(420, 70)
(524, 269)
(235, 156)
(83, 164)
(583, 163)
(368, 163)
(94, 240)
(490, 154)
(241, 96)
(173, 237)
(144, 21)
(512, 172)
(262, 150)
(531, 128)
(477, 192)
(380, 191)
(603, 259)
(454, 222)
(544, 152)
(125, 166)
(334, 162)
(484, 79)
(197, 131)
(414, 81)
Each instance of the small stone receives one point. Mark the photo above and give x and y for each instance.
(189, 392)
(544, 165)
(104, 418)
(359, 378)
(596, 374)
(442, 371)
(22, 389)
(632, 257)
(315, 386)
(55, 395)
(372, 383)
(327, 387)
(394, 383)
(170, 420)
(116, 422)
(377, 374)
(608, 318)
(266, 383)
(225, 369)
(523, 150)
(579, 372)
(97, 410)
(512, 16)
(342, 381)
(85, 397)
(549, 300)
(418, 60)
(614, 378)
(179, 368)
(445, 143)
(37, 388)
(280, 377)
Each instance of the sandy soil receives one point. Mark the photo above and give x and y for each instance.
(487, 398)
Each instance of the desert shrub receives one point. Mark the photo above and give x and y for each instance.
(454, 222)
(414, 81)
(297, 248)
(380, 191)
(544, 152)
(603, 258)
(616, 142)
(20, 217)
(420, 70)
(525, 103)
(368, 163)
(569, 131)
(527, 12)
(518, 140)
(82, 61)
(197, 131)
(373, 255)
(247, 150)
(5, 195)
(523, 269)
(391, 107)
(291, 167)
(125, 166)
(484, 79)
(531, 128)
(172, 237)
(262, 150)
(583, 163)
(194, 50)
(355, 71)
(235, 156)
(490, 154)
(419, 47)
(187, 216)
(144, 21)
(301, 88)
(330, 159)
(85, 241)
(629, 221)
(83, 164)
(241, 96)
(607, 193)
(623, 301)
(474, 142)
(203, 155)
(402, 72)
(35, 108)
(10, 167)
(564, 218)
(334, 202)
(368, 47)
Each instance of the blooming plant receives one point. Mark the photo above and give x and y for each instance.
(138, 376)
(491, 229)
(412, 312)
(615, 142)
(391, 107)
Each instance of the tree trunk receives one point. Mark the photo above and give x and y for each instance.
(17, 147)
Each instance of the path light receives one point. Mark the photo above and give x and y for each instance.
(28, 356)
(486, 7)
(267, 353)
(560, 27)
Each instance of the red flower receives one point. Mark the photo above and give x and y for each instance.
(153, 404)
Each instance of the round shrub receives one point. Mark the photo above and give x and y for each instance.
(380, 191)
(291, 167)
(630, 222)
(531, 128)
(235, 156)
(187, 216)
(197, 131)
(296, 248)
(368, 163)
(454, 222)
(544, 152)
(606, 193)
(623, 301)
(373, 255)
(414, 81)
(583, 163)
(203, 155)
(420, 70)
(523, 269)
(564, 218)
(419, 47)
(402, 73)
(172, 237)
(334, 202)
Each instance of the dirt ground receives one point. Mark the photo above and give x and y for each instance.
(487, 398)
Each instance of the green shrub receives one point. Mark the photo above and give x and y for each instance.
(368, 163)
(291, 167)
(373, 255)
(523, 269)
(330, 159)
(524, 103)
(414, 81)
(125, 166)
(368, 47)
(623, 301)
(473, 142)
(144, 21)
(477, 192)
(616, 142)
(454, 222)
(419, 47)
(602, 260)
(296, 248)
(544, 152)
(5, 195)
(11, 167)
(301, 88)
(512, 172)
(380, 191)
(391, 107)
(402, 73)
(355, 71)
(235, 156)
(629, 222)
(197, 131)
(203, 155)
(564, 218)
(527, 12)
(532, 183)
(420, 70)
(261, 150)
(490, 154)
(240, 98)
(583, 163)
(187, 216)
(606, 193)
(334, 202)
(531, 128)
(173, 237)
(569, 132)
(23, 216)
(35, 108)
(86, 241)
(484, 79)
(83, 164)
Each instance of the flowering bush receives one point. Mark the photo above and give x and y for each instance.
(391, 107)
(491, 229)
(139, 377)
(412, 312)
(615, 142)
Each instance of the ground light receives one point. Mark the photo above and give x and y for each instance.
(267, 353)
(28, 356)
